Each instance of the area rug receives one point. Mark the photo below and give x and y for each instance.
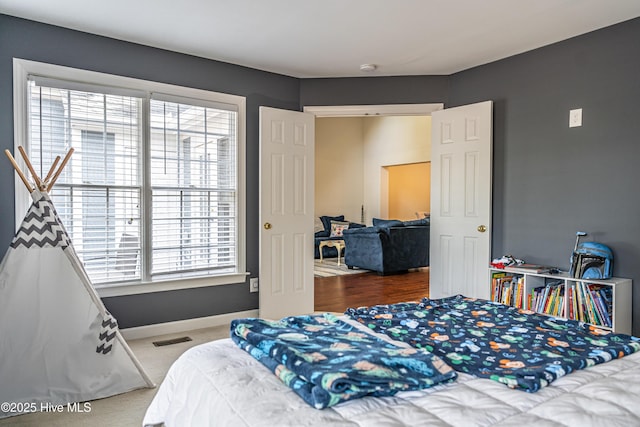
(329, 267)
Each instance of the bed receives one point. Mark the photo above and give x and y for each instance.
(220, 384)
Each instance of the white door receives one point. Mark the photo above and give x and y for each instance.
(461, 172)
(286, 212)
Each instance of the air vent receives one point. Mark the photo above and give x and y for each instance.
(171, 341)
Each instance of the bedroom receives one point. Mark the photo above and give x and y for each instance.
(537, 167)
(549, 180)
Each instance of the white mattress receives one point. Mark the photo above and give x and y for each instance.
(217, 384)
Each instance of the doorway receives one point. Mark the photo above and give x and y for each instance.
(442, 132)
(353, 179)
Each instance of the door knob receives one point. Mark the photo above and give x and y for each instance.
(267, 226)
(482, 228)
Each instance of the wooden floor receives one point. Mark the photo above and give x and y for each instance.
(354, 290)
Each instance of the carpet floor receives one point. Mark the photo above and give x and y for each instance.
(126, 409)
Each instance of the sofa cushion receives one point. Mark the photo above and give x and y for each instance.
(387, 222)
(321, 234)
(421, 221)
(337, 227)
(363, 230)
(326, 221)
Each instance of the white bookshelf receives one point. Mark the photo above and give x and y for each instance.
(619, 310)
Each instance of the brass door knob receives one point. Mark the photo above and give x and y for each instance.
(267, 226)
(482, 228)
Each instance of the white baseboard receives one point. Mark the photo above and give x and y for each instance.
(147, 331)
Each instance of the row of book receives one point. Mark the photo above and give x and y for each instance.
(548, 299)
(583, 301)
(507, 289)
(586, 302)
(590, 303)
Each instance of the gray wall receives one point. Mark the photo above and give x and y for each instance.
(549, 180)
(374, 90)
(33, 41)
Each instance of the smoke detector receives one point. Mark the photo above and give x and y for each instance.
(367, 68)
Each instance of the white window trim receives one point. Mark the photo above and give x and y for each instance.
(23, 68)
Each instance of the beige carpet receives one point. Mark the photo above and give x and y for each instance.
(126, 409)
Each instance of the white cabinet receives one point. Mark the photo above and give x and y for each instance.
(604, 303)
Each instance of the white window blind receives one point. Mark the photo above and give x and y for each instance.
(98, 194)
(193, 183)
(188, 194)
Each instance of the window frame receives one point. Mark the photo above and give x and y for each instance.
(21, 71)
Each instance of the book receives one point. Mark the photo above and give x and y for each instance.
(570, 300)
(528, 268)
(580, 303)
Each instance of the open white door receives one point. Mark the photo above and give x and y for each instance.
(461, 173)
(286, 212)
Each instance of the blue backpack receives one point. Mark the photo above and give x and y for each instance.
(592, 260)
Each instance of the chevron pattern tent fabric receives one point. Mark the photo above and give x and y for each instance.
(107, 333)
(41, 227)
(58, 343)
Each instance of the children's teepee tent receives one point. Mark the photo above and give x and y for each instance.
(58, 343)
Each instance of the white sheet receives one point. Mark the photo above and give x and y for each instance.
(217, 384)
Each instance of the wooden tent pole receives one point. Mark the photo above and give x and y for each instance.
(57, 174)
(17, 168)
(53, 167)
(35, 176)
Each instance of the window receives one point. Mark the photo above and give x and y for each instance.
(153, 192)
(193, 188)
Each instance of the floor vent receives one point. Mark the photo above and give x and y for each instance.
(171, 341)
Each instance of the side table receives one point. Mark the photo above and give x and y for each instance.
(338, 244)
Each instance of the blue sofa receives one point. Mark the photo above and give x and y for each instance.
(325, 234)
(389, 246)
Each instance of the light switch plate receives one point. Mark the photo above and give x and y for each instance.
(575, 118)
(254, 285)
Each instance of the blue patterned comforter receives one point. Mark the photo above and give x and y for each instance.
(516, 347)
(326, 360)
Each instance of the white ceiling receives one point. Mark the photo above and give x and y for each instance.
(332, 38)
